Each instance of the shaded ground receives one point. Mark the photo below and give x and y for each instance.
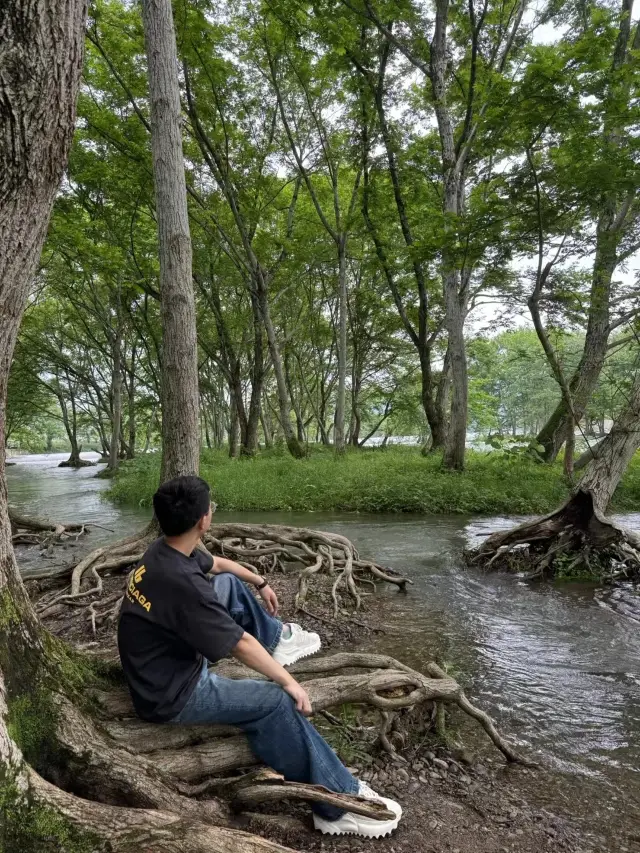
(451, 800)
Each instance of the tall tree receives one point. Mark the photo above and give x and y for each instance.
(612, 145)
(180, 398)
(307, 85)
(40, 66)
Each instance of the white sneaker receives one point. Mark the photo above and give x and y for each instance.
(299, 644)
(356, 824)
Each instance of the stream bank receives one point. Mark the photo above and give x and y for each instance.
(557, 666)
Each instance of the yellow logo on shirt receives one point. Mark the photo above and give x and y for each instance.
(133, 593)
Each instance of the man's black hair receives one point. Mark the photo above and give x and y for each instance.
(180, 503)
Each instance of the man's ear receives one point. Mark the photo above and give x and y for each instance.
(205, 522)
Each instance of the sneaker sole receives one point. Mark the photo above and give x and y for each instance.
(364, 833)
(300, 655)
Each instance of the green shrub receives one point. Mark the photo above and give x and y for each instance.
(391, 480)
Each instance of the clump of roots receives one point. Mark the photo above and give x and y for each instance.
(575, 541)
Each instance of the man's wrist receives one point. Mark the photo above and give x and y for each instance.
(261, 583)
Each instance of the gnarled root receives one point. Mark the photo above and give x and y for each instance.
(261, 548)
(28, 530)
(147, 830)
(575, 539)
(265, 548)
(375, 681)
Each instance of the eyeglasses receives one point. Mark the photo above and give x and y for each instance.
(214, 506)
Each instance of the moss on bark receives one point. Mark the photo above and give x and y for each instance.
(26, 826)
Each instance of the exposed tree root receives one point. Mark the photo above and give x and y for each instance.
(575, 540)
(28, 530)
(377, 681)
(270, 787)
(174, 788)
(268, 548)
(127, 829)
(262, 548)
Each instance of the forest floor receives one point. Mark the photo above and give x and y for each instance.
(455, 800)
(394, 479)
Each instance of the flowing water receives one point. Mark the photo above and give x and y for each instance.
(558, 666)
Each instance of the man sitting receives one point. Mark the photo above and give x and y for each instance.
(175, 618)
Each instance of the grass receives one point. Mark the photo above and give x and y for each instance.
(390, 480)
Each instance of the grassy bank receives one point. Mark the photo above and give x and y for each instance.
(391, 480)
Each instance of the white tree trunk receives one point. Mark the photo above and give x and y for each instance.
(180, 398)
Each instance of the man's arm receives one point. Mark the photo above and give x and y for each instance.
(249, 652)
(222, 564)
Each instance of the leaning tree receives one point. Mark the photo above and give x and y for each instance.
(578, 537)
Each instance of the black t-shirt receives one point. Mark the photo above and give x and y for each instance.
(170, 621)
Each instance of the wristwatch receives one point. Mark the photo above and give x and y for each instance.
(264, 583)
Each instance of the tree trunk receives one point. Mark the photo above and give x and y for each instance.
(452, 178)
(267, 426)
(356, 423)
(150, 425)
(116, 394)
(234, 431)
(293, 445)
(131, 396)
(583, 382)
(40, 66)
(295, 404)
(603, 474)
(250, 439)
(590, 453)
(205, 419)
(339, 444)
(436, 410)
(180, 398)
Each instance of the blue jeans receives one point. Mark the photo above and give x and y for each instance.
(246, 610)
(279, 735)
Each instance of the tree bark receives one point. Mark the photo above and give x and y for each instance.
(180, 398)
(40, 67)
(452, 175)
(250, 438)
(342, 346)
(603, 474)
(583, 382)
(131, 397)
(293, 445)
(234, 429)
(116, 394)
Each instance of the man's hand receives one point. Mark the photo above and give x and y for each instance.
(299, 696)
(270, 599)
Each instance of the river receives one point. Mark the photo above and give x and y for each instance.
(558, 666)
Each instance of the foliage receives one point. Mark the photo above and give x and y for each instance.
(393, 479)
(315, 174)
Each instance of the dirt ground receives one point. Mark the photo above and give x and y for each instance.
(452, 802)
